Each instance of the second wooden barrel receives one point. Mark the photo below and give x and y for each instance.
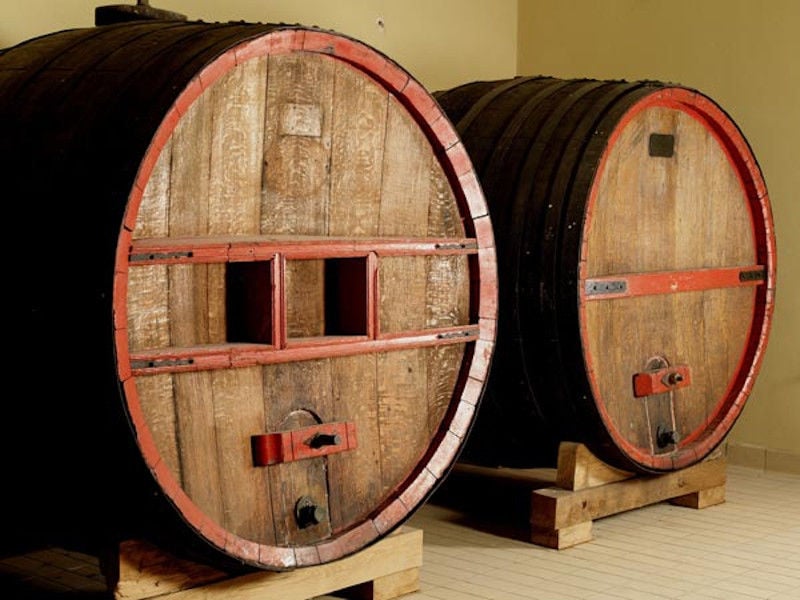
(636, 260)
(261, 281)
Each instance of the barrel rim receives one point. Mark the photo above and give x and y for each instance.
(708, 435)
(457, 165)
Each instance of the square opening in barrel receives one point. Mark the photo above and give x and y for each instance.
(326, 297)
(346, 296)
(248, 302)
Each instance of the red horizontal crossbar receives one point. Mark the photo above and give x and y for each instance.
(227, 356)
(237, 249)
(630, 285)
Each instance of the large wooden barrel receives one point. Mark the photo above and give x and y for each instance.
(636, 261)
(261, 287)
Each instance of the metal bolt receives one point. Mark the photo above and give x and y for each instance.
(665, 437)
(672, 378)
(307, 513)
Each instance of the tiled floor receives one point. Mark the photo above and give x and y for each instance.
(743, 549)
(747, 548)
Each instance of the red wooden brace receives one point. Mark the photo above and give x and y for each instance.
(308, 442)
(659, 381)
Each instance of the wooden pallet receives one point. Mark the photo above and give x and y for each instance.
(565, 501)
(138, 570)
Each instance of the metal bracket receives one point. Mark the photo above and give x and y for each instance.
(753, 275)
(661, 380)
(308, 442)
(595, 287)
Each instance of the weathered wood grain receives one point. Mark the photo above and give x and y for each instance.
(238, 396)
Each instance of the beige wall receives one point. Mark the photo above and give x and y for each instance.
(746, 55)
(440, 42)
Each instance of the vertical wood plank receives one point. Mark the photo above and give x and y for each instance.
(153, 217)
(188, 305)
(297, 145)
(148, 314)
(195, 426)
(297, 395)
(446, 291)
(359, 128)
(402, 293)
(355, 477)
(296, 174)
(237, 140)
(189, 197)
(157, 400)
(238, 412)
(148, 310)
(305, 298)
(447, 305)
(444, 217)
(402, 414)
(443, 368)
(191, 163)
(406, 176)
(189, 311)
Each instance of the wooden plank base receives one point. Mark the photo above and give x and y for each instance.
(555, 508)
(138, 570)
(562, 516)
(387, 569)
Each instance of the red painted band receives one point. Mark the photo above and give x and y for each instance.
(671, 282)
(219, 250)
(228, 356)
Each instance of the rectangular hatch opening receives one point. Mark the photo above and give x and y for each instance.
(248, 302)
(327, 297)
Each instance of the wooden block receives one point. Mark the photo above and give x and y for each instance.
(579, 469)
(395, 585)
(390, 564)
(145, 571)
(701, 498)
(384, 588)
(565, 501)
(561, 518)
(558, 508)
(562, 538)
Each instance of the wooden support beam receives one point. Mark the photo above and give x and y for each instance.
(579, 469)
(587, 489)
(387, 569)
